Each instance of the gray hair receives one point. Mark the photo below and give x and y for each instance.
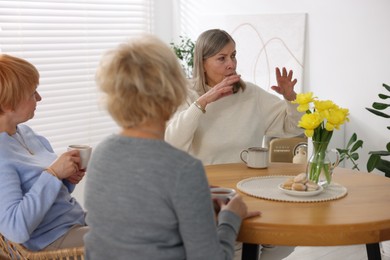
(208, 44)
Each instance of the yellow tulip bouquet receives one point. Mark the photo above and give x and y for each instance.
(320, 119)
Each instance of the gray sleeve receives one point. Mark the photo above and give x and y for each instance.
(227, 222)
(196, 219)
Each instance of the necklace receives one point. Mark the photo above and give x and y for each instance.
(21, 142)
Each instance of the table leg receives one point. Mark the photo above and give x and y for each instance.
(250, 251)
(373, 251)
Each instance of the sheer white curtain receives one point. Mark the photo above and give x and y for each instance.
(65, 41)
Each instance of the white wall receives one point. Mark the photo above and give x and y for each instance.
(347, 53)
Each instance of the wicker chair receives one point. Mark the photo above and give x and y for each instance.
(17, 251)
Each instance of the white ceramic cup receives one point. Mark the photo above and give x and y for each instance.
(255, 157)
(85, 154)
(224, 194)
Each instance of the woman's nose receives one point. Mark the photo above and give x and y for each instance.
(37, 96)
(231, 64)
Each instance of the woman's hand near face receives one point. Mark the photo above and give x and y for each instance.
(66, 164)
(285, 85)
(238, 206)
(220, 90)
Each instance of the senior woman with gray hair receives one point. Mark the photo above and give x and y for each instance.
(145, 198)
(239, 114)
(224, 115)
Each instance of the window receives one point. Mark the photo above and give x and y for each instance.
(65, 41)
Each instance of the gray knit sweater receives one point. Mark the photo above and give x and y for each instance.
(148, 200)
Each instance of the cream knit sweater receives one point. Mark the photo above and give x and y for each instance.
(231, 124)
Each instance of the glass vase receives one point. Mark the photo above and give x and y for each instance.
(320, 167)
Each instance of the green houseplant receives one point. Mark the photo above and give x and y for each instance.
(376, 159)
(184, 51)
(350, 151)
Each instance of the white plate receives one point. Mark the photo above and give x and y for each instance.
(301, 193)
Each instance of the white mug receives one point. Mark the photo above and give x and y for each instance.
(224, 194)
(85, 154)
(255, 157)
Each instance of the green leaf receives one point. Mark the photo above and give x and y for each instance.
(372, 162)
(352, 140)
(380, 153)
(378, 113)
(384, 166)
(386, 87)
(355, 156)
(380, 106)
(383, 96)
(358, 144)
(342, 151)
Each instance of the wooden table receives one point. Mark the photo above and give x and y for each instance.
(361, 217)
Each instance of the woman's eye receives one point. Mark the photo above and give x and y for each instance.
(221, 58)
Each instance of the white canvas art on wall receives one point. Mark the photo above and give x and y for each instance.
(264, 42)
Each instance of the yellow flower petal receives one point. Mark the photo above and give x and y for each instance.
(304, 99)
(309, 133)
(303, 107)
(325, 115)
(310, 121)
(323, 105)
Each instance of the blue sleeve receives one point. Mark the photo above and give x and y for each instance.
(22, 211)
(69, 186)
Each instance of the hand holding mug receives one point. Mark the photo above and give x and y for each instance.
(84, 152)
(76, 177)
(65, 165)
(238, 206)
(223, 194)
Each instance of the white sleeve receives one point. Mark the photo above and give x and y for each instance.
(181, 128)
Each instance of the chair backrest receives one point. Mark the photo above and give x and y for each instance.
(17, 251)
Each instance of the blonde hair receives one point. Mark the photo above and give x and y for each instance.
(208, 44)
(143, 80)
(18, 79)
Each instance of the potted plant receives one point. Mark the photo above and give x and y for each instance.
(184, 51)
(350, 151)
(377, 160)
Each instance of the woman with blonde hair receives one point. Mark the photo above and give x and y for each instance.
(145, 198)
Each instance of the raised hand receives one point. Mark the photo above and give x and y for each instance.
(286, 84)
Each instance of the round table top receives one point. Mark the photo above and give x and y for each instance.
(360, 217)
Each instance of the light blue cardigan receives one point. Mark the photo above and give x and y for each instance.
(36, 208)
